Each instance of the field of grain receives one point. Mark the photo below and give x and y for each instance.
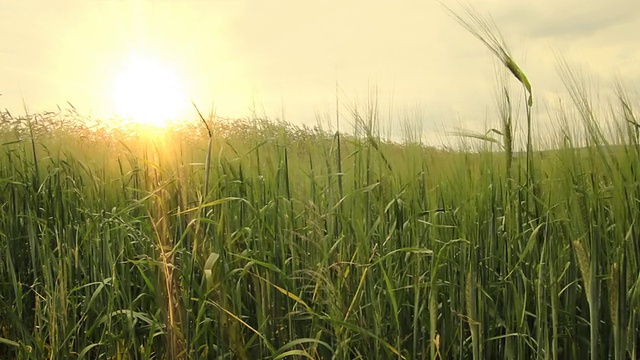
(252, 239)
(271, 241)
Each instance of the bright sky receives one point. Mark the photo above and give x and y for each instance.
(286, 56)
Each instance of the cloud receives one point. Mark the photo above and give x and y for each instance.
(569, 19)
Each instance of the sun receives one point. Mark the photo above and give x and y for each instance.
(148, 93)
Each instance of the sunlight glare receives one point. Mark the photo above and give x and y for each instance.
(148, 93)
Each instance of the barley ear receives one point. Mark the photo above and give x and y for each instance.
(613, 294)
(583, 265)
(519, 74)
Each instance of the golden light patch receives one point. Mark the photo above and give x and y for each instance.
(149, 93)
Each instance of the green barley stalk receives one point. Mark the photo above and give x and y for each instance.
(506, 114)
(207, 174)
(587, 268)
(614, 307)
(487, 32)
(472, 313)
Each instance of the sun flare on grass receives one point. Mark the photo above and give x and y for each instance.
(148, 93)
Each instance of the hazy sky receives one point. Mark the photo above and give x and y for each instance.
(288, 55)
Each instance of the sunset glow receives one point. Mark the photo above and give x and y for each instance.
(149, 93)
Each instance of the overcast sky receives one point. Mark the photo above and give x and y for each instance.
(286, 56)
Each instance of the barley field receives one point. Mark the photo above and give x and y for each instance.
(255, 239)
